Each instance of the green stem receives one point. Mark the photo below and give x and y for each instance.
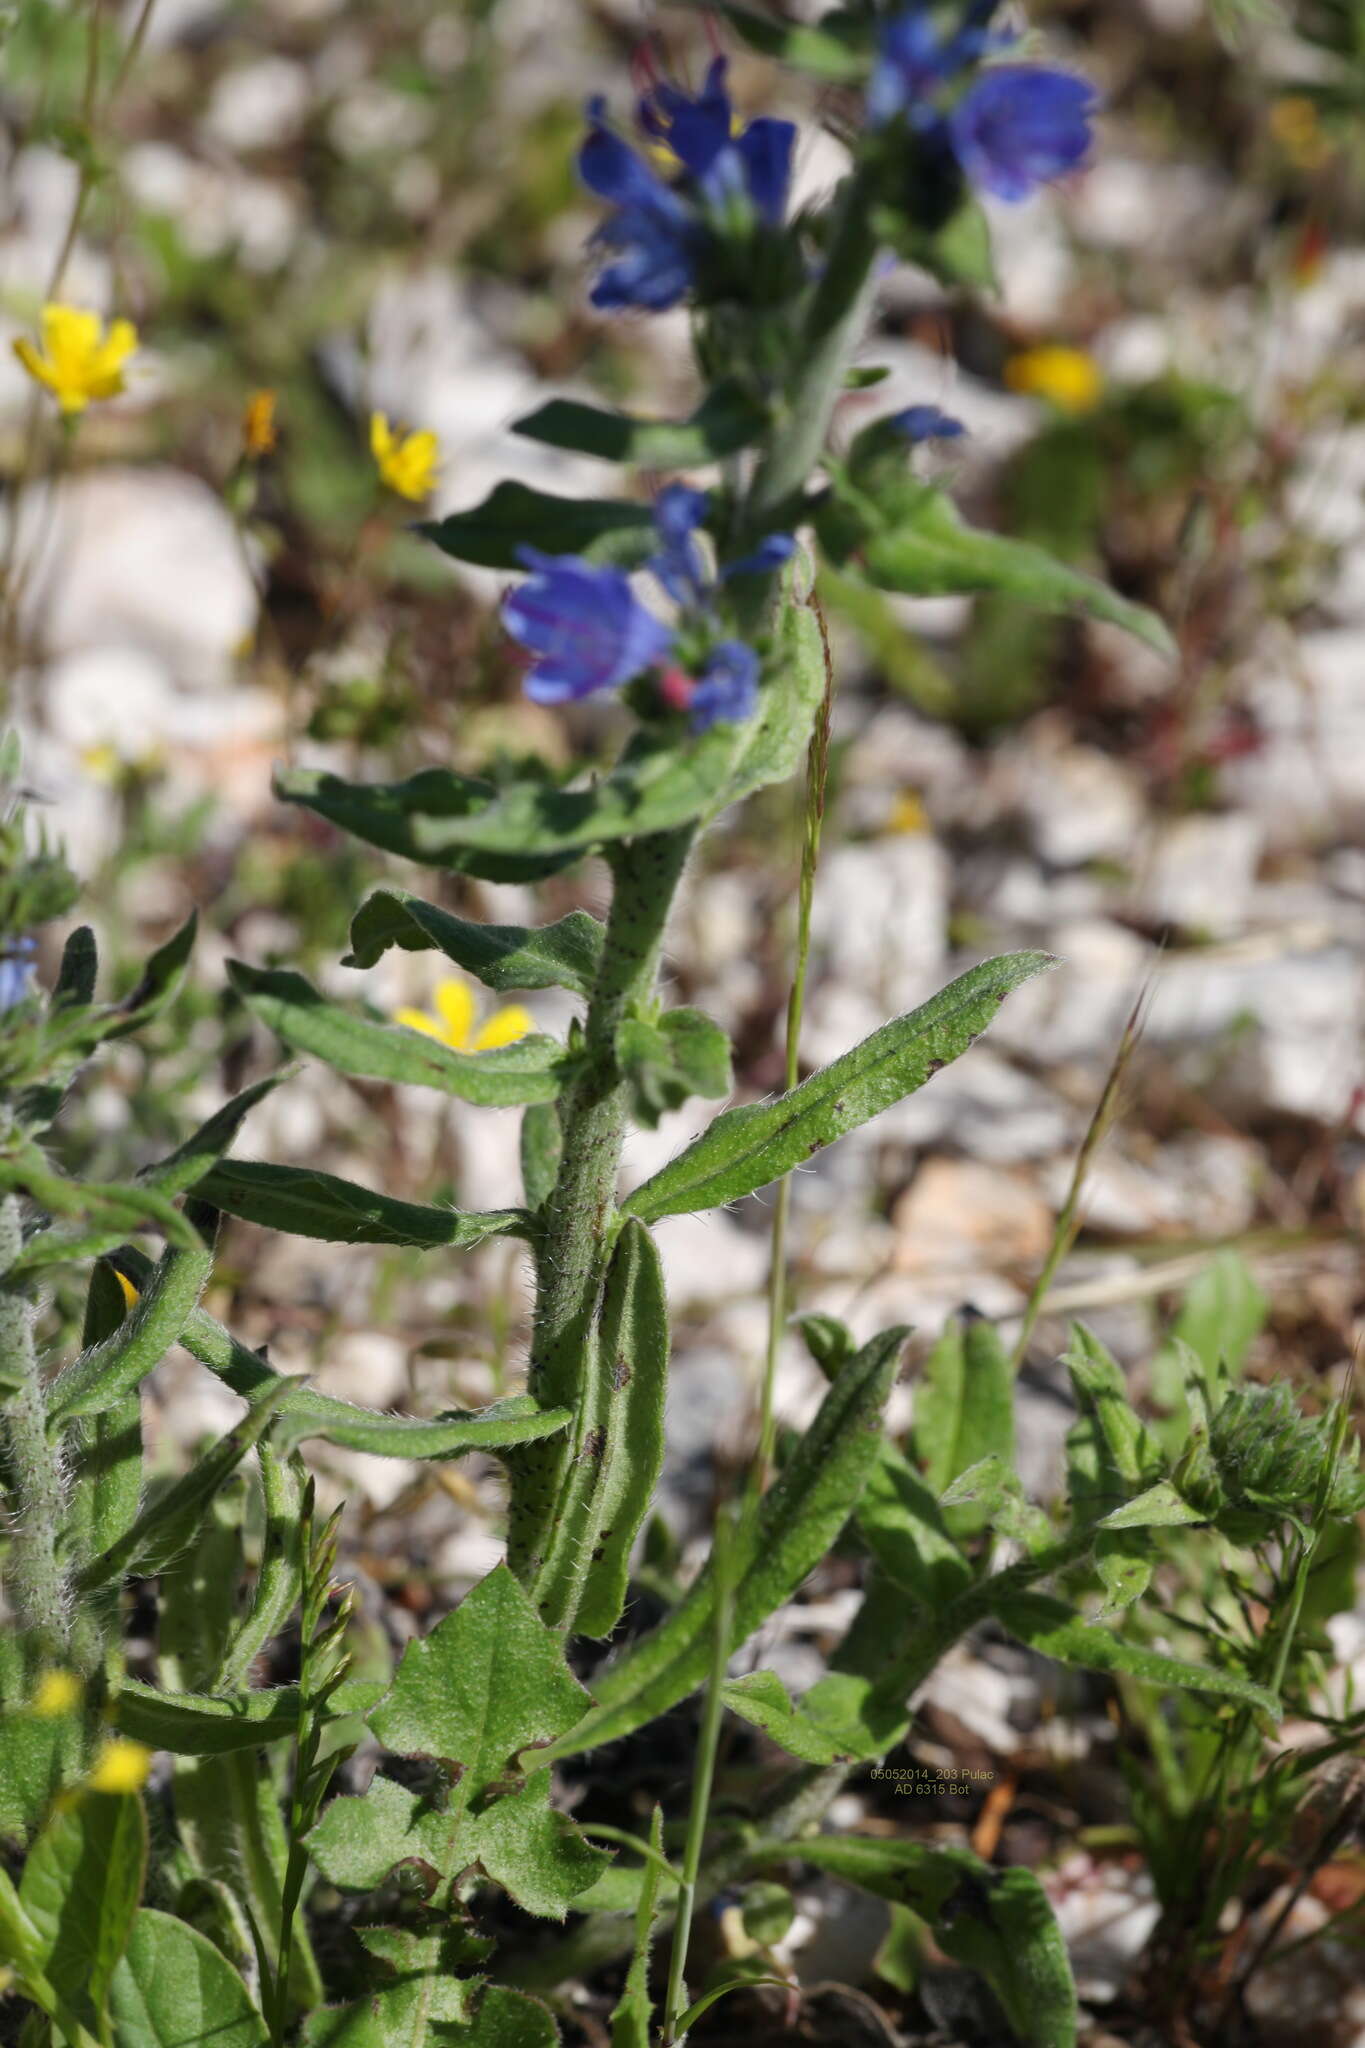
(39, 1582)
(576, 1233)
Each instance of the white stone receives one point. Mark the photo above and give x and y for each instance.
(1080, 804)
(1201, 872)
(261, 105)
(879, 920)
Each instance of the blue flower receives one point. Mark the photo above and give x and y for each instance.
(679, 564)
(1020, 125)
(653, 230)
(585, 626)
(753, 164)
(914, 59)
(727, 686)
(925, 423)
(16, 971)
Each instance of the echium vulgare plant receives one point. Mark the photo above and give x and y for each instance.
(696, 609)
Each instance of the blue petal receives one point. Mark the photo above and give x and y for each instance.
(696, 129)
(727, 687)
(766, 147)
(770, 554)
(610, 168)
(1020, 126)
(926, 423)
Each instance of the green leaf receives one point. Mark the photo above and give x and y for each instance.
(746, 1148)
(773, 1551)
(1160, 1507)
(489, 1681)
(995, 1922)
(514, 516)
(173, 1988)
(307, 1203)
(105, 1372)
(217, 1724)
(1111, 1453)
(776, 740)
(382, 814)
(761, 1698)
(727, 420)
(992, 1489)
(527, 1071)
(187, 1165)
(632, 2018)
(680, 1055)
(905, 1529)
(542, 1149)
(1222, 1314)
(80, 1889)
(75, 983)
(925, 549)
(565, 954)
(838, 49)
(1057, 1631)
(964, 1412)
(423, 2001)
(618, 1447)
(169, 1523)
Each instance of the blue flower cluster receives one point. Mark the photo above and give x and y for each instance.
(588, 631)
(729, 181)
(1014, 128)
(16, 971)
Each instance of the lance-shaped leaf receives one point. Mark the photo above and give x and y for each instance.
(307, 1203)
(182, 1169)
(107, 1212)
(218, 1724)
(169, 1523)
(104, 1372)
(964, 1412)
(526, 1071)
(618, 1447)
(565, 954)
(921, 547)
(80, 1889)
(727, 420)
(174, 1987)
(382, 814)
(773, 1551)
(487, 1682)
(1058, 1631)
(777, 738)
(995, 1922)
(746, 1148)
(761, 1698)
(1159, 1507)
(514, 516)
(73, 1030)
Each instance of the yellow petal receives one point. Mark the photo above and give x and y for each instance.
(1068, 377)
(56, 1693)
(122, 1766)
(418, 1020)
(130, 1293)
(40, 370)
(456, 1006)
(381, 437)
(505, 1027)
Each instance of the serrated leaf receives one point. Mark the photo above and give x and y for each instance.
(617, 1450)
(964, 1412)
(514, 516)
(996, 1922)
(525, 1071)
(925, 549)
(761, 1699)
(381, 813)
(726, 421)
(487, 1682)
(746, 1148)
(305, 1202)
(773, 1551)
(80, 1889)
(565, 954)
(174, 1988)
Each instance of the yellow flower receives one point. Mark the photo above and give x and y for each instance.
(908, 813)
(1068, 377)
(56, 1693)
(122, 1766)
(1295, 126)
(78, 360)
(456, 1016)
(131, 1297)
(258, 424)
(406, 462)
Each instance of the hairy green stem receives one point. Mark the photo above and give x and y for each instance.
(39, 1582)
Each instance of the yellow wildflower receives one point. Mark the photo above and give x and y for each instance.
(1067, 377)
(908, 813)
(258, 424)
(406, 462)
(56, 1693)
(1295, 126)
(78, 361)
(131, 1297)
(457, 1013)
(122, 1766)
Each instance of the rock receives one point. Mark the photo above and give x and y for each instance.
(1305, 781)
(1201, 873)
(1078, 804)
(961, 1213)
(879, 921)
(144, 559)
(261, 105)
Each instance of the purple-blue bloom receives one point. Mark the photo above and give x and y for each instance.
(770, 554)
(925, 423)
(585, 626)
(654, 232)
(914, 59)
(1020, 125)
(727, 687)
(679, 564)
(700, 131)
(16, 971)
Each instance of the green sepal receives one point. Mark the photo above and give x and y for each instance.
(526, 1071)
(565, 954)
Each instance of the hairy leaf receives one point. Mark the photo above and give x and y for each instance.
(105, 1372)
(746, 1148)
(1055, 1629)
(382, 814)
(727, 420)
(761, 1698)
(514, 516)
(305, 1202)
(173, 1987)
(964, 1412)
(565, 954)
(80, 1889)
